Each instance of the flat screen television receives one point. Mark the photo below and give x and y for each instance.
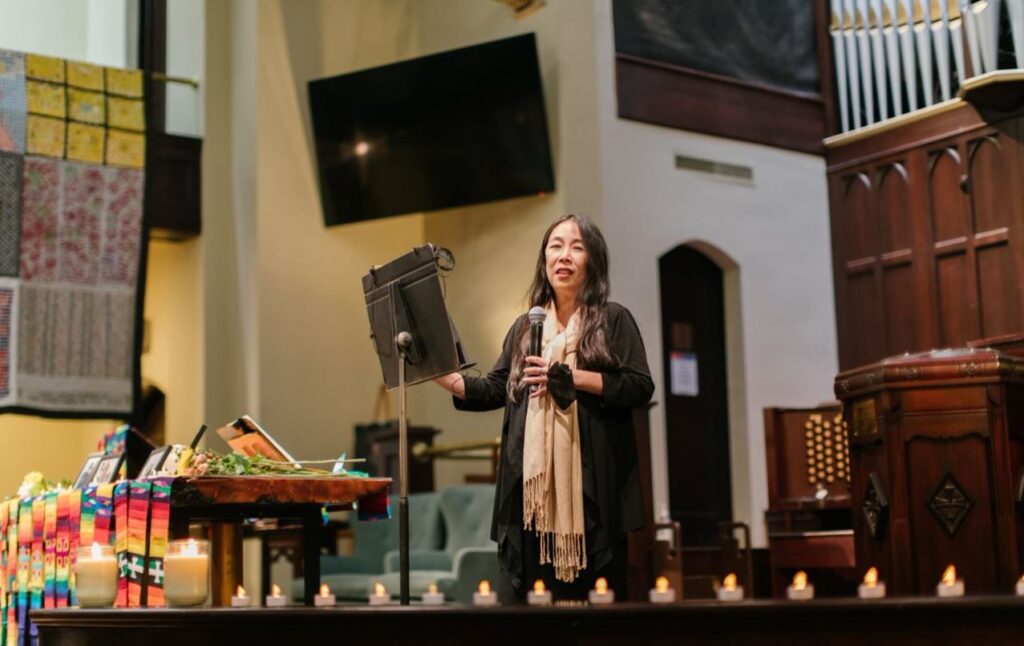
(456, 128)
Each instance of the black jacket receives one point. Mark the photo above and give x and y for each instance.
(613, 501)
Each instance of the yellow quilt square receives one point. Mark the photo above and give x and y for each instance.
(85, 75)
(45, 136)
(126, 148)
(128, 114)
(124, 82)
(45, 98)
(85, 143)
(44, 68)
(86, 106)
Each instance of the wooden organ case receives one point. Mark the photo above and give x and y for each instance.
(808, 517)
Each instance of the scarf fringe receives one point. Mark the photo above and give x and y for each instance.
(534, 499)
(569, 552)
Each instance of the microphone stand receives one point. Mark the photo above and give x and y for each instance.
(403, 340)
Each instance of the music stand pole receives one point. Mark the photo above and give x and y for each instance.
(403, 340)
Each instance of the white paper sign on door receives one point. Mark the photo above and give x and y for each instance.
(684, 374)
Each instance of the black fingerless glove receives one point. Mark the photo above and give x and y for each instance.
(561, 386)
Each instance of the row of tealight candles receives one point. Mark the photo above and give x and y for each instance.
(871, 588)
(187, 569)
(799, 590)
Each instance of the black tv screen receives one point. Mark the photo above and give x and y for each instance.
(455, 128)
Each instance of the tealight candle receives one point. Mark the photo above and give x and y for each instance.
(275, 599)
(96, 573)
(800, 589)
(380, 596)
(539, 596)
(187, 573)
(729, 591)
(601, 595)
(950, 586)
(326, 598)
(1020, 587)
(241, 599)
(432, 597)
(872, 588)
(484, 596)
(661, 592)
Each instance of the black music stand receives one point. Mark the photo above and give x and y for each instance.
(416, 341)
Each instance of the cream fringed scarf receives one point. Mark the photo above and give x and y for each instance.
(552, 472)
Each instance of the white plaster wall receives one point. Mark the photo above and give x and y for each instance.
(95, 31)
(111, 33)
(186, 54)
(50, 27)
(776, 230)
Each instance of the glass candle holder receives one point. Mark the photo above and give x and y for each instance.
(96, 576)
(187, 573)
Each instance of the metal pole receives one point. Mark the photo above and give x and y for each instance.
(403, 341)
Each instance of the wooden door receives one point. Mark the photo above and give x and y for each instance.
(696, 424)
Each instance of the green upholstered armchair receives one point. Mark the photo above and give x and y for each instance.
(352, 577)
(469, 554)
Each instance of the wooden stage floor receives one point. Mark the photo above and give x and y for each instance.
(972, 620)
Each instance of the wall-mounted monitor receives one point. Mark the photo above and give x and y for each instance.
(451, 129)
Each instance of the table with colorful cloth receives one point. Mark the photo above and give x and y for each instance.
(40, 534)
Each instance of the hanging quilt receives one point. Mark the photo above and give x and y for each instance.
(72, 183)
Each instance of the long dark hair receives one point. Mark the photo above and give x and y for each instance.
(592, 349)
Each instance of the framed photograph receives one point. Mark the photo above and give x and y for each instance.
(154, 462)
(88, 469)
(107, 469)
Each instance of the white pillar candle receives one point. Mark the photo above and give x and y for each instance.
(96, 576)
(601, 595)
(539, 596)
(432, 597)
(275, 599)
(661, 592)
(484, 596)
(1020, 587)
(187, 573)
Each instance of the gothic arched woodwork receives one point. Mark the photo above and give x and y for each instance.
(955, 282)
(995, 261)
(928, 236)
(864, 305)
(896, 260)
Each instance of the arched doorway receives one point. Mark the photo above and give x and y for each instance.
(696, 393)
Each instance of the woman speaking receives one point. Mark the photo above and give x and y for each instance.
(568, 485)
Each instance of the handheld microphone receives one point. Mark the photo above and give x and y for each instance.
(536, 316)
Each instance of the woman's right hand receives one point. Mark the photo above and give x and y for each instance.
(453, 383)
